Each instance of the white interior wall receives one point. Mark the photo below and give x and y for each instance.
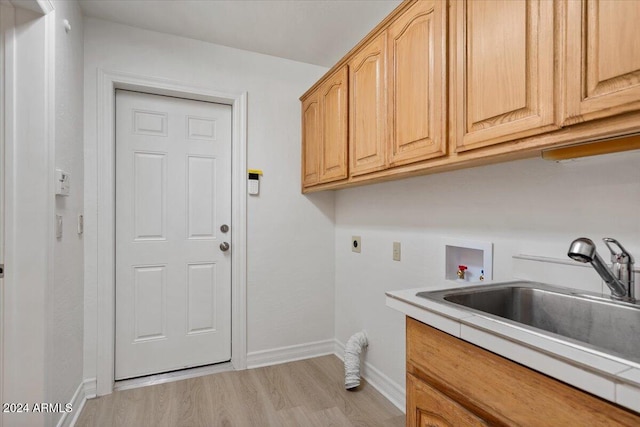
(290, 237)
(66, 298)
(532, 207)
(28, 215)
(44, 287)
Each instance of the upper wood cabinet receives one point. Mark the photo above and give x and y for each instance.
(441, 85)
(368, 107)
(324, 131)
(602, 59)
(501, 70)
(311, 140)
(333, 112)
(417, 83)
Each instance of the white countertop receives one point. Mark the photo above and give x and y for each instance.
(609, 377)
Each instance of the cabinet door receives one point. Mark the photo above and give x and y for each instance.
(311, 140)
(602, 58)
(417, 78)
(502, 70)
(427, 407)
(368, 108)
(333, 106)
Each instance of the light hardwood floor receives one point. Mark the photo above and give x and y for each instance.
(304, 393)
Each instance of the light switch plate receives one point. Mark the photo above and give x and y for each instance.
(356, 244)
(59, 226)
(62, 183)
(396, 251)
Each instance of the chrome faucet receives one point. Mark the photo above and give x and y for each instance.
(619, 277)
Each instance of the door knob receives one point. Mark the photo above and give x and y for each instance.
(224, 246)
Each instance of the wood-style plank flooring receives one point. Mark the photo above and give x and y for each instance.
(305, 393)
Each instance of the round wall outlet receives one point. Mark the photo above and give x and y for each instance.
(356, 244)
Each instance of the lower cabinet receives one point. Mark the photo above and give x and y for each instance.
(453, 383)
(426, 406)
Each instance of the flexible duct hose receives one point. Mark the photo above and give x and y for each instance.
(352, 351)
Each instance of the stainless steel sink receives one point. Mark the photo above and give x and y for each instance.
(588, 320)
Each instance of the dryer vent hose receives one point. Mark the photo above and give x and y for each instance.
(355, 346)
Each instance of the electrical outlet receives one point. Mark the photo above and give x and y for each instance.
(396, 251)
(356, 244)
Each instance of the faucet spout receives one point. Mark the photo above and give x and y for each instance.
(618, 289)
(619, 278)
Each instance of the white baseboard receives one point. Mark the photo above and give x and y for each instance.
(90, 388)
(291, 353)
(390, 389)
(78, 400)
(338, 349)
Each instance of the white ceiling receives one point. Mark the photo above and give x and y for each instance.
(314, 31)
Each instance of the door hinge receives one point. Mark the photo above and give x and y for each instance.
(1, 271)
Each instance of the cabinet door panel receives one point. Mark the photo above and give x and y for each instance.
(503, 392)
(333, 156)
(503, 72)
(367, 108)
(602, 59)
(417, 70)
(427, 407)
(311, 140)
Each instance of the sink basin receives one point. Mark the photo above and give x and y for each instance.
(588, 320)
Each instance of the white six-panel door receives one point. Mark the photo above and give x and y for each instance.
(173, 193)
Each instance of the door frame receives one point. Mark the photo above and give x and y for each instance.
(108, 82)
(6, 24)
